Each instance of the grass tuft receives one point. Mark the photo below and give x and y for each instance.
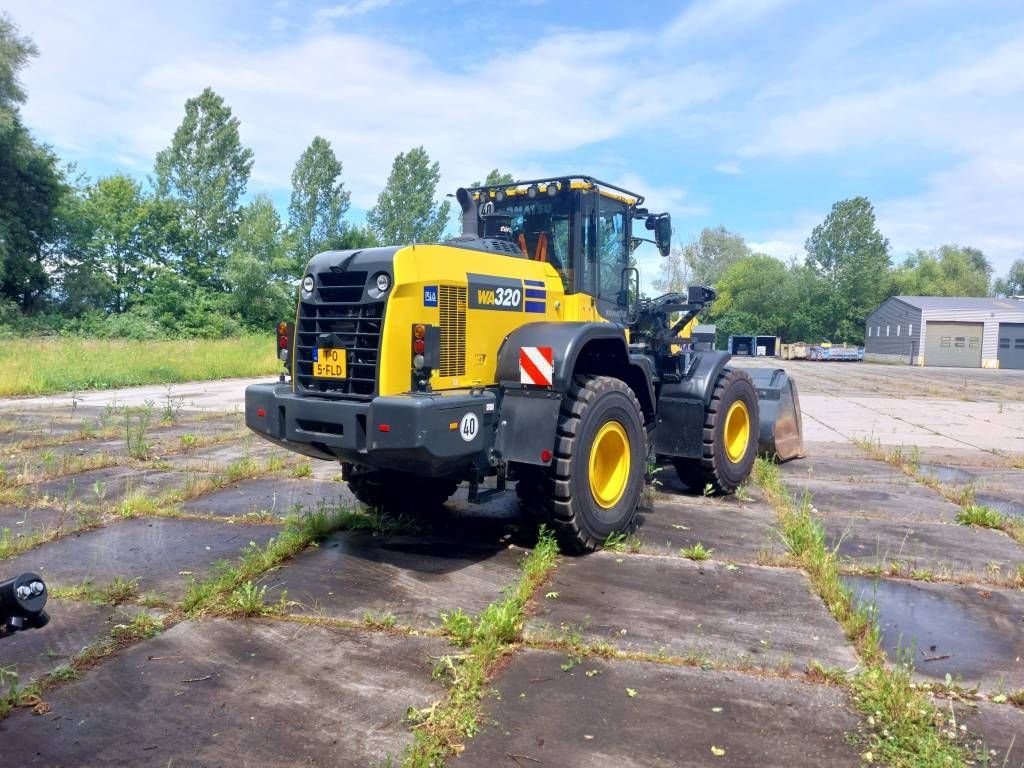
(903, 725)
(440, 730)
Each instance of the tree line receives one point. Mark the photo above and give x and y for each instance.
(846, 273)
(184, 253)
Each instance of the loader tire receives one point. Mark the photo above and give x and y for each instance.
(401, 493)
(593, 486)
(729, 438)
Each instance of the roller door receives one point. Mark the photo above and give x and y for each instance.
(1011, 345)
(954, 344)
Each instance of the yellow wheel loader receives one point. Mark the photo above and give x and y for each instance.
(521, 350)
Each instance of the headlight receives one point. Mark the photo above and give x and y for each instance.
(307, 284)
(383, 282)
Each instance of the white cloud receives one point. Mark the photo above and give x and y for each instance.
(717, 18)
(357, 8)
(370, 98)
(730, 168)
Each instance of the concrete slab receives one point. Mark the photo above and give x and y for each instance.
(849, 470)
(275, 495)
(670, 486)
(25, 521)
(974, 634)
(1005, 503)
(218, 457)
(889, 501)
(160, 552)
(748, 616)
(411, 578)
(110, 485)
(218, 396)
(944, 549)
(738, 534)
(73, 625)
(544, 716)
(999, 729)
(236, 693)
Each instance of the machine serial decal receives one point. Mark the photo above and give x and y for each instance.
(492, 292)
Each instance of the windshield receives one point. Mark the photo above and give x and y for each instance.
(540, 226)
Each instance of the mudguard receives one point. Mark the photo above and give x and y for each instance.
(781, 431)
(566, 341)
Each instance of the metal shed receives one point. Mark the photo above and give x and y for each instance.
(961, 331)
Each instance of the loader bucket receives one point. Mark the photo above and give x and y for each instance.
(781, 435)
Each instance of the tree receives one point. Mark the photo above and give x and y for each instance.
(31, 185)
(318, 203)
(1013, 285)
(752, 298)
(259, 269)
(206, 168)
(405, 211)
(494, 178)
(15, 52)
(712, 253)
(673, 273)
(945, 271)
(849, 253)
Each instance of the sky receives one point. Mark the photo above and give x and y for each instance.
(756, 115)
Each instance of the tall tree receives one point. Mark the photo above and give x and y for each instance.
(673, 273)
(945, 271)
(406, 211)
(849, 253)
(1013, 285)
(318, 203)
(753, 297)
(15, 52)
(259, 269)
(206, 168)
(494, 178)
(712, 253)
(31, 185)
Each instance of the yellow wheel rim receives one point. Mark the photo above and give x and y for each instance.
(609, 464)
(737, 431)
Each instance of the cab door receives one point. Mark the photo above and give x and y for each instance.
(609, 256)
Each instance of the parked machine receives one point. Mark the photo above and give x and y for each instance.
(521, 350)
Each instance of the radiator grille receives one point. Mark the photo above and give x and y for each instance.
(452, 303)
(337, 308)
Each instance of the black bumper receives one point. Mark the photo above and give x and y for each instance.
(420, 433)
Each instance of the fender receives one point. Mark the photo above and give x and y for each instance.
(567, 341)
(681, 406)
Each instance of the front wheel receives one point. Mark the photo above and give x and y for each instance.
(593, 486)
(399, 493)
(729, 444)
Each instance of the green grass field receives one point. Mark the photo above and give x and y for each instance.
(44, 365)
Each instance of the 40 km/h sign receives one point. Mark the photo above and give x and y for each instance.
(536, 366)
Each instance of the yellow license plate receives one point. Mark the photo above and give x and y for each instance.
(330, 364)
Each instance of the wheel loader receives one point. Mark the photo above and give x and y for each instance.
(521, 350)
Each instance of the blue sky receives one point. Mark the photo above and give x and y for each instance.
(753, 114)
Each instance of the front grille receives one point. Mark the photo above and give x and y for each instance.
(337, 308)
(452, 304)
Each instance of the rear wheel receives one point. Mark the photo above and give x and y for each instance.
(729, 438)
(593, 486)
(400, 493)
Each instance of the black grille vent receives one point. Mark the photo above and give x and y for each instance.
(337, 309)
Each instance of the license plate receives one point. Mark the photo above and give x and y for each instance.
(329, 364)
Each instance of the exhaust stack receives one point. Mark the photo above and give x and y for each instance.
(470, 215)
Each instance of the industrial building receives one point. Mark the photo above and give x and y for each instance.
(955, 331)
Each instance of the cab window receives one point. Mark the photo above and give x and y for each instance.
(541, 228)
(611, 248)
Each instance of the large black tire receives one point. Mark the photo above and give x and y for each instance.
(584, 507)
(730, 419)
(400, 493)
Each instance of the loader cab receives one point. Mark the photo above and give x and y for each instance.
(581, 226)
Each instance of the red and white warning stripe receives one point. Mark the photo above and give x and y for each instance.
(536, 366)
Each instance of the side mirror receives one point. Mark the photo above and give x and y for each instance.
(663, 233)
